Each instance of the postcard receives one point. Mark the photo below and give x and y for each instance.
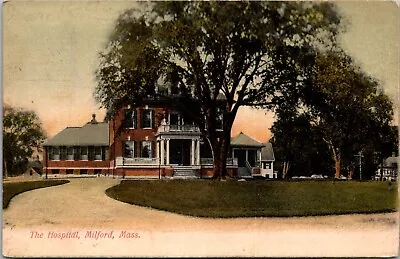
(200, 129)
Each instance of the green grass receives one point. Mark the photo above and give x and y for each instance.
(259, 198)
(12, 189)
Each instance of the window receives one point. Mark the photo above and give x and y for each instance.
(91, 153)
(97, 153)
(146, 149)
(70, 153)
(266, 165)
(77, 153)
(70, 171)
(84, 153)
(175, 119)
(104, 153)
(54, 153)
(97, 171)
(63, 153)
(130, 118)
(129, 149)
(147, 119)
(55, 171)
(83, 171)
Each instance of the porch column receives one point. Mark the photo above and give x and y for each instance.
(198, 152)
(162, 152)
(157, 150)
(247, 155)
(167, 151)
(192, 152)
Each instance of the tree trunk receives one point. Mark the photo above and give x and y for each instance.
(5, 169)
(336, 157)
(286, 166)
(217, 171)
(220, 154)
(350, 175)
(337, 167)
(221, 147)
(224, 154)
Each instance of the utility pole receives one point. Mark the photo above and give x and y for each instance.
(359, 163)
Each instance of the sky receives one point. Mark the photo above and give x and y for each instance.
(50, 54)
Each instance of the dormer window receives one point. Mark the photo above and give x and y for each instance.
(130, 120)
(147, 119)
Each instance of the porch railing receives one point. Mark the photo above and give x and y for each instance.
(121, 161)
(176, 128)
(252, 170)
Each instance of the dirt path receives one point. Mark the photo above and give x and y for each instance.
(82, 206)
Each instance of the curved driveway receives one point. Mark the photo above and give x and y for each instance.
(82, 205)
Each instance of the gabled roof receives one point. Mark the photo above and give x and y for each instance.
(391, 161)
(91, 134)
(267, 153)
(243, 140)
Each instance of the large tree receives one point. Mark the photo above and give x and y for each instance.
(298, 146)
(22, 135)
(252, 53)
(347, 107)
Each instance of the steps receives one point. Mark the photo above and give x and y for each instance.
(184, 172)
(243, 172)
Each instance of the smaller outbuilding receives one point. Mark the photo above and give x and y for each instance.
(388, 170)
(267, 162)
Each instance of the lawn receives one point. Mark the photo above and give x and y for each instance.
(12, 189)
(206, 198)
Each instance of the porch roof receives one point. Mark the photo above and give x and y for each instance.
(242, 140)
(90, 134)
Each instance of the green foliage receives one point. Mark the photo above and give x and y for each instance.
(10, 190)
(297, 144)
(252, 53)
(22, 135)
(258, 198)
(345, 111)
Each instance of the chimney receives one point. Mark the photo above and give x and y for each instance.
(93, 121)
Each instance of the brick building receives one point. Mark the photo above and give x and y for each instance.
(149, 140)
(78, 150)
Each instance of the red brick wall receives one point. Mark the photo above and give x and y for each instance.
(143, 172)
(168, 171)
(256, 171)
(121, 134)
(74, 164)
(78, 171)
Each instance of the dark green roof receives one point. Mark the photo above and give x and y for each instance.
(242, 140)
(91, 134)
